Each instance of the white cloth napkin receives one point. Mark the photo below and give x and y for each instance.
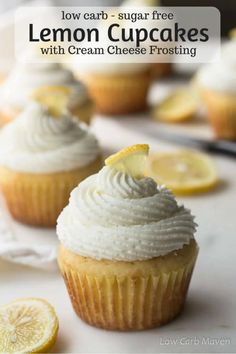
(15, 250)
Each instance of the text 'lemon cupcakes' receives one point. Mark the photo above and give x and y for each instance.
(217, 82)
(27, 77)
(42, 158)
(128, 249)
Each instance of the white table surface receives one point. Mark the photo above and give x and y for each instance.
(210, 313)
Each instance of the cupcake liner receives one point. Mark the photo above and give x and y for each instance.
(221, 109)
(38, 199)
(121, 94)
(124, 300)
(84, 112)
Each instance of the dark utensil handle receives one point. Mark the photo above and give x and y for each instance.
(224, 147)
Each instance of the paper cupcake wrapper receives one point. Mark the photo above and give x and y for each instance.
(36, 199)
(222, 114)
(127, 303)
(119, 94)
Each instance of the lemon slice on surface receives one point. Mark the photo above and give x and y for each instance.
(184, 172)
(27, 326)
(54, 98)
(130, 160)
(178, 107)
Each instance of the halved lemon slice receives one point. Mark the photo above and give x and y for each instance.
(178, 107)
(54, 98)
(27, 326)
(184, 172)
(130, 160)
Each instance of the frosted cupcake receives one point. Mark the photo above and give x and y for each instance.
(25, 78)
(217, 83)
(118, 88)
(42, 158)
(127, 248)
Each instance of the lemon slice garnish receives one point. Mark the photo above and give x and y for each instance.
(184, 172)
(27, 326)
(54, 98)
(130, 160)
(178, 107)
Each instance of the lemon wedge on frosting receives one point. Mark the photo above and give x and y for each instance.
(54, 98)
(184, 172)
(180, 106)
(130, 160)
(27, 326)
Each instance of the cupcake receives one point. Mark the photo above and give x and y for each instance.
(27, 77)
(42, 158)
(217, 83)
(118, 88)
(127, 248)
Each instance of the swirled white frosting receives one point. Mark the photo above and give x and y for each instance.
(221, 76)
(112, 215)
(27, 77)
(36, 142)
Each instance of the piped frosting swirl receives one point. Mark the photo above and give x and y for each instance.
(37, 142)
(112, 215)
(25, 78)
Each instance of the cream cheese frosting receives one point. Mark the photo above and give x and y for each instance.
(26, 77)
(36, 142)
(114, 216)
(221, 76)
